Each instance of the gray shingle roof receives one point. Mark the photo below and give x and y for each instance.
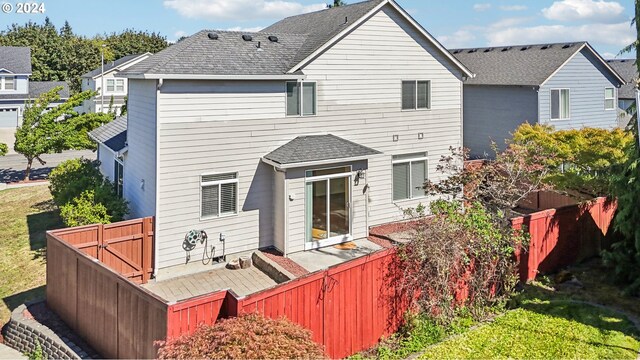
(15, 59)
(228, 55)
(36, 88)
(321, 26)
(628, 70)
(108, 66)
(312, 148)
(511, 65)
(112, 134)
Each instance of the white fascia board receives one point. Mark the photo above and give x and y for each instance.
(313, 163)
(213, 77)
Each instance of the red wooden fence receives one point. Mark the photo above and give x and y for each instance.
(564, 236)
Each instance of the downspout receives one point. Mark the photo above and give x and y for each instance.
(159, 84)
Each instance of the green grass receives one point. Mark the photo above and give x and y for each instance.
(548, 330)
(25, 215)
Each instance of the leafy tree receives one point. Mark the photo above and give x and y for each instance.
(625, 254)
(578, 161)
(132, 41)
(3, 149)
(84, 210)
(47, 129)
(123, 109)
(336, 3)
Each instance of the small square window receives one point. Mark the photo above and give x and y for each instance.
(409, 174)
(416, 94)
(301, 98)
(218, 195)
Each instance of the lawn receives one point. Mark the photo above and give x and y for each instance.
(25, 215)
(543, 329)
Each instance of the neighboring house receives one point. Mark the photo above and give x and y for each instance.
(16, 89)
(300, 136)
(115, 89)
(112, 145)
(567, 85)
(627, 92)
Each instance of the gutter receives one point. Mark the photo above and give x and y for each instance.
(211, 77)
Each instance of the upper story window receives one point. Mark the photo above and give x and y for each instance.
(218, 195)
(115, 85)
(7, 83)
(301, 98)
(409, 175)
(609, 98)
(560, 104)
(416, 94)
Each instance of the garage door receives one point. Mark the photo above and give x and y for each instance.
(8, 118)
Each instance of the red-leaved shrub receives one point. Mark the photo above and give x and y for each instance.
(246, 337)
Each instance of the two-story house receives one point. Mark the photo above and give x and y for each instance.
(115, 89)
(567, 85)
(16, 89)
(626, 93)
(296, 137)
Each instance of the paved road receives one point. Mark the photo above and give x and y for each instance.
(12, 166)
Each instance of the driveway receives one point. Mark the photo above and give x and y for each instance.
(12, 166)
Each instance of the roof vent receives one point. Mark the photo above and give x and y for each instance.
(457, 51)
(346, 19)
(506, 48)
(525, 48)
(472, 51)
(566, 46)
(548, 46)
(272, 38)
(488, 49)
(212, 36)
(247, 37)
(258, 46)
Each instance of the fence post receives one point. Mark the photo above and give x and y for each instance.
(100, 231)
(147, 248)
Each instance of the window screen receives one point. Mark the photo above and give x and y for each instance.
(409, 175)
(424, 94)
(293, 98)
(609, 99)
(308, 98)
(408, 95)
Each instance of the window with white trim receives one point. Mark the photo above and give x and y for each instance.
(7, 82)
(301, 98)
(416, 94)
(560, 104)
(218, 195)
(609, 98)
(115, 85)
(409, 175)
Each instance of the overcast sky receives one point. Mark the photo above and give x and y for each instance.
(456, 23)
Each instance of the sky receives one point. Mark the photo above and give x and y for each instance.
(455, 23)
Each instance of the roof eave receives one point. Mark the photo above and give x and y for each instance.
(213, 77)
(117, 68)
(279, 166)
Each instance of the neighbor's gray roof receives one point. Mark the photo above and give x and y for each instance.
(228, 55)
(515, 64)
(312, 148)
(112, 134)
(628, 70)
(321, 26)
(108, 66)
(37, 88)
(16, 59)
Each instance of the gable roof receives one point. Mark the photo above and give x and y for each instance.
(526, 65)
(628, 70)
(317, 148)
(112, 134)
(15, 59)
(230, 56)
(37, 88)
(113, 65)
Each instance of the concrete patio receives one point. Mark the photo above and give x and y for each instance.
(318, 259)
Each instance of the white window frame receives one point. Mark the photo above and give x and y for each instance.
(120, 161)
(416, 108)
(3, 85)
(409, 160)
(115, 86)
(300, 96)
(559, 104)
(220, 182)
(614, 102)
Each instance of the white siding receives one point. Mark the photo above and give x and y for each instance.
(140, 162)
(492, 113)
(279, 211)
(106, 158)
(584, 78)
(208, 126)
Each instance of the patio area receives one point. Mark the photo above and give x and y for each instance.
(318, 259)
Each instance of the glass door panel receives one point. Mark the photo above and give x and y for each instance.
(339, 207)
(318, 219)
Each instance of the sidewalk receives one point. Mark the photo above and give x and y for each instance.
(9, 353)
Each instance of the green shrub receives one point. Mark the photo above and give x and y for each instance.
(69, 179)
(75, 184)
(84, 210)
(3, 149)
(246, 337)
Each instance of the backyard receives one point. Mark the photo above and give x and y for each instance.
(25, 215)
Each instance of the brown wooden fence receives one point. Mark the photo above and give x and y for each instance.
(564, 236)
(126, 246)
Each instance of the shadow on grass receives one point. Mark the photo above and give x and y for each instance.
(39, 223)
(15, 300)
